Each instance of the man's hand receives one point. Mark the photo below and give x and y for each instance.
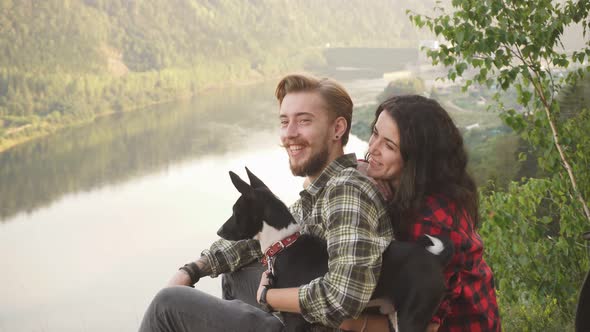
(264, 281)
(180, 278)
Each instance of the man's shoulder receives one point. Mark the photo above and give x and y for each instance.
(350, 177)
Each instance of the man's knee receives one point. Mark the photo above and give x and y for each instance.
(161, 306)
(175, 308)
(177, 299)
(168, 297)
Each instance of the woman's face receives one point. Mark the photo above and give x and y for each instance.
(385, 159)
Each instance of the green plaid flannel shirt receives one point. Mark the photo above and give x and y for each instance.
(343, 207)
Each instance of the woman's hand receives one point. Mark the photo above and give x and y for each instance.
(264, 281)
(432, 327)
(373, 323)
(362, 166)
(383, 186)
(353, 324)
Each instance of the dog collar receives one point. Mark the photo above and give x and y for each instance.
(278, 247)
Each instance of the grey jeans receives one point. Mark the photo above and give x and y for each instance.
(184, 309)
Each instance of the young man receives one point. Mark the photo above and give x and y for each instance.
(340, 205)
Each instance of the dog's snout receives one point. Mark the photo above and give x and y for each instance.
(221, 231)
(227, 230)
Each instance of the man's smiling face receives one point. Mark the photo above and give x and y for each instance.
(305, 128)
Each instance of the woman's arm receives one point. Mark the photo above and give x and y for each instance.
(377, 323)
(437, 220)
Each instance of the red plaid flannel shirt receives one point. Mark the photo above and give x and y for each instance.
(470, 304)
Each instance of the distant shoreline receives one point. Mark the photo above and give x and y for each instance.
(44, 129)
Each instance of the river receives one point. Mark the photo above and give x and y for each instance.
(94, 220)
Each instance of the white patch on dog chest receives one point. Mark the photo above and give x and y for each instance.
(269, 235)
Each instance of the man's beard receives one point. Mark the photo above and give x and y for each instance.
(313, 166)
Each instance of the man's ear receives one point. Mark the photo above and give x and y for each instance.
(340, 126)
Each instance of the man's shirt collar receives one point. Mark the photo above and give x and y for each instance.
(333, 169)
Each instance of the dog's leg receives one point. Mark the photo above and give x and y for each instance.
(582, 319)
(393, 319)
(409, 322)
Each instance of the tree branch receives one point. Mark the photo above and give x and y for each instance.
(536, 81)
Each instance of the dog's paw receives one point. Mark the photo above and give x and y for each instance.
(386, 308)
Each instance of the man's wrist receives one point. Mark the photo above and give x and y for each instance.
(193, 271)
(204, 266)
(262, 299)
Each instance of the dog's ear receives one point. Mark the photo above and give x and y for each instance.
(240, 184)
(254, 181)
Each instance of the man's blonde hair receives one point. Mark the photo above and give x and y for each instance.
(337, 100)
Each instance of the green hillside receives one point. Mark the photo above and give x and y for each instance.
(64, 62)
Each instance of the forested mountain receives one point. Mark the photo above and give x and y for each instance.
(67, 61)
(78, 35)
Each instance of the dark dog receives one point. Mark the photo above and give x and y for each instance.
(411, 276)
(583, 309)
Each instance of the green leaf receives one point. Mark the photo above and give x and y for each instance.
(460, 68)
(438, 29)
(459, 35)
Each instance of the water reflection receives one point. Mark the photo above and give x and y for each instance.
(126, 201)
(117, 148)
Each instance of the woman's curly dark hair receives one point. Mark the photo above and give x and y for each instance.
(435, 161)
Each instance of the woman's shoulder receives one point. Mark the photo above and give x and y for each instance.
(438, 207)
(433, 218)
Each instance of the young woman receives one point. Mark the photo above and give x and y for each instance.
(416, 154)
